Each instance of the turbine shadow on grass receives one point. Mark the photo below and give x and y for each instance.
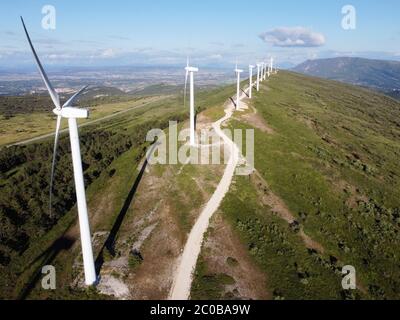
(109, 244)
(63, 243)
(245, 93)
(233, 101)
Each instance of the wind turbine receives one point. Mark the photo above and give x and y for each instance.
(238, 72)
(275, 70)
(71, 113)
(190, 71)
(262, 72)
(265, 70)
(272, 65)
(258, 76)
(251, 67)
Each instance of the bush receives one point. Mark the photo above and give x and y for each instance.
(135, 259)
(232, 262)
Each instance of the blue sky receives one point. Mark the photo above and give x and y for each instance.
(212, 32)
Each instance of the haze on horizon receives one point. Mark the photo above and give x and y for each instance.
(165, 32)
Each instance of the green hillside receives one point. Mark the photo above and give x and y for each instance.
(325, 194)
(330, 159)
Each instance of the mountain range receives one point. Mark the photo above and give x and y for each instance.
(381, 75)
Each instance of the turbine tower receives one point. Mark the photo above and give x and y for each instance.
(238, 72)
(264, 65)
(262, 72)
(265, 70)
(71, 113)
(272, 65)
(258, 76)
(251, 67)
(189, 72)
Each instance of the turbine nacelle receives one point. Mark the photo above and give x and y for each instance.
(251, 67)
(72, 112)
(238, 70)
(191, 69)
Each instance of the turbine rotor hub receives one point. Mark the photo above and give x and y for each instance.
(72, 112)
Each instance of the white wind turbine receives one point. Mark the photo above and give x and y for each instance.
(238, 72)
(272, 65)
(190, 71)
(251, 67)
(258, 76)
(71, 113)
(265, 70)
(262, 72)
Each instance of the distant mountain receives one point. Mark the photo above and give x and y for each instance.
(286, 65)
(377, 74)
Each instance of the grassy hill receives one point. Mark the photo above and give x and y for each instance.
(325, 194)
(377, 74)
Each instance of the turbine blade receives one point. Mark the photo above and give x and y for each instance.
(74, 97)
(53, 94)
(54, 161)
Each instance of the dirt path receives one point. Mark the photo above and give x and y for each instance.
(181, 286)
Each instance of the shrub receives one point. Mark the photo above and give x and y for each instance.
(135, 259)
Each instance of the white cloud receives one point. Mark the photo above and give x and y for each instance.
(293, 37)
(109, 53)
(215, 56)
(58, 56)
(217, 43)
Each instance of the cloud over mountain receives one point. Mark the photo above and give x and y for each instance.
(293, 37)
